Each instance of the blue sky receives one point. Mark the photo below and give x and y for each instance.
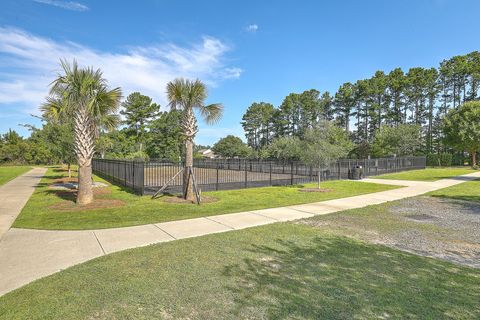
(245, 51)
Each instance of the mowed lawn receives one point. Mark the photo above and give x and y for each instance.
(116, 207)
(279, 271)
(428, 174)
(469, 191)
(8, 173)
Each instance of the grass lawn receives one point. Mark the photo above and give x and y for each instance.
(50, 209)
(8, 173)
(429, 174)
(279, 271)
(469, 191)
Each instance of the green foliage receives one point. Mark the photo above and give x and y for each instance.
(139, 111)
(462, 128)
(323, 144)
(439, 160)
(165, 138)
(231, 147)
(403, 140)
(284, 148)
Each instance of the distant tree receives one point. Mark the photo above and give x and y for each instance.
(165, 136)
(462, 128)
(186, 96)
(403, 140)
(139, 110)
(83, 95)
(231, 147)
(284, 148)
(257, 122)
(323, 144)
(345, 104)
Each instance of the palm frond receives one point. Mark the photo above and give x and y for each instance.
(211, 113)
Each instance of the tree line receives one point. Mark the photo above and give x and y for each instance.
(419, 97)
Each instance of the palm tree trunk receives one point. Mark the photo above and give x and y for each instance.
(84, 131)
(190, 129)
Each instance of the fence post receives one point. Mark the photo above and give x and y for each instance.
(270, 172)
(142, 180)
(133, 175)
(216, 185)
(339, 172)
(291, 173)
(125, 176)
(246, 173)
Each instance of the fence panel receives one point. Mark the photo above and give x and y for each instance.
(224, 174)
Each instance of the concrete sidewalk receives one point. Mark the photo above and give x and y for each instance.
(26, 255)
(15, 194)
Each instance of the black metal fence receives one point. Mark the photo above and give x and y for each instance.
(223, 174)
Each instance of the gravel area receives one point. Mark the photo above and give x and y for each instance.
(457, 237)
(430, 226)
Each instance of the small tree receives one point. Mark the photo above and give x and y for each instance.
(323, 144)
(462, 128)
(230, 147)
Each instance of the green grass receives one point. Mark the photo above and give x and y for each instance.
(279, 271)
(429, 174)
(469, 191)
(39, 213)
(8, 173)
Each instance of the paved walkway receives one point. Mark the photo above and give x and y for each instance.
(13, 196)
(26, 255)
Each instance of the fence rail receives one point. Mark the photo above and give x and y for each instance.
(145, 177)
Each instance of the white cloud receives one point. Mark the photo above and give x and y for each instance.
(28, 64)
(68, 5)
(252, 28)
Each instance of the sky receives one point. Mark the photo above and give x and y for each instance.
(245, 51)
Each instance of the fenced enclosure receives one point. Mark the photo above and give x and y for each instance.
(146, 177)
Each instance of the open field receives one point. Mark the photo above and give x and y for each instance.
(116, 207)
(279, 271)
(429, 174)
(8, 173)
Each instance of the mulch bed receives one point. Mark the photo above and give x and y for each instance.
(65, 180)
(69, 196)
(314, 190)
(180, 200)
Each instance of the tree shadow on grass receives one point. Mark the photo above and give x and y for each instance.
(339, 278)
(471, 198)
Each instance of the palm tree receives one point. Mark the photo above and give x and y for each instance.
(81, 95)
(187, 95)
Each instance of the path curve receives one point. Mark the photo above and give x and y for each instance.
(27, 255)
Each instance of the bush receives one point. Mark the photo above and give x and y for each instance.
(442, 160)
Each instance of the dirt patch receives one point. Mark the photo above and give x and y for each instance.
(179, 199)
(421, 217)
(96, 204)
(314, 190)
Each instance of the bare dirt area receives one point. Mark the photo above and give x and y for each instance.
(435, 227)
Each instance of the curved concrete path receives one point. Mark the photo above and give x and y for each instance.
(27, 255)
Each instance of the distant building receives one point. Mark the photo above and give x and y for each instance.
(207, 153)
